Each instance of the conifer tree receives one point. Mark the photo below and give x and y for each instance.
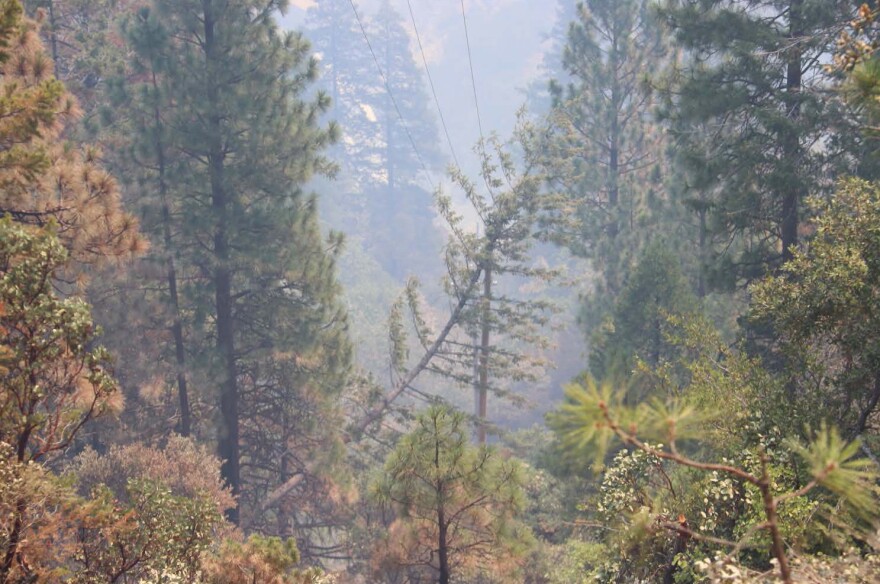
(655, 291)
(539, 98)
(494, 336)
(244, 140)
(401, 199)
(402, 163)
(456, 504)
(143, 110)
(748, 109)
(603, 152)
(82, 39)
(42, 179)
(381, 175)
(349, 76)
(475, 262)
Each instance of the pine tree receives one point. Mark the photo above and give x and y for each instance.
(143, 110)
(456, 504)
(82, 40)
(381, 177)
(42, 178)
(401, 199)
(494, 337)
(349, 77)
(748, 109)
(655, 291)
(603, 152)
(243, 140)
(539, 99)
(402, 163)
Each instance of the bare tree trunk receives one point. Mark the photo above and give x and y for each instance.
(53, 39)
(791, 142)
(483, 394)
(185, 425)
(442, 546)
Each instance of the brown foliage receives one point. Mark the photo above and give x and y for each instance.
(43, 179)
(186, 468)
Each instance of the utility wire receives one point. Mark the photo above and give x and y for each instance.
(391, 93)
(483, 171)
(467, 38)
(431, 83)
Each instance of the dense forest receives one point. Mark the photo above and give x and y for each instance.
(264, 320)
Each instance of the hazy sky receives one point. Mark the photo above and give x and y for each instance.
(506, 42)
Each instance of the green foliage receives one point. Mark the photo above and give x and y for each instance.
(637, 328)
(218, 132)
(155, 532)
(578, 562)
(147, 511)
(55, 378)
(603, 153)
(747, 101)
(823, 305)
(708, 463)
(594, 418)
(456, 504)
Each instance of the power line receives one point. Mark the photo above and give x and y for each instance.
(431, 83)
(471, 64)
(467, 39)
(391, 93)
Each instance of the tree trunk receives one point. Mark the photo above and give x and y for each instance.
(704, 252)
(613, 278)
(442, 547)
(13, 541)
(483, 394)
(185, 425)
(228, 447)
(791, 141)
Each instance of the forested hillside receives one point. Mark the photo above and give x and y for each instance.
(396, 291)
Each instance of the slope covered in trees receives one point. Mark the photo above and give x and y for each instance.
(201, 382)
